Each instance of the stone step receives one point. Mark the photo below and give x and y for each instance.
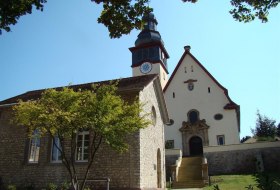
(188, 184)
(190, 170)
(191, 167)
(190, 173)
(191, 160)
(189, 177)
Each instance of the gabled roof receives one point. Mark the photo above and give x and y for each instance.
(229, 106)
(125, 84)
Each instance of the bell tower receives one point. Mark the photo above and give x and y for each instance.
(149, 55)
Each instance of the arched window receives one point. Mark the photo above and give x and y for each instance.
(193, 116)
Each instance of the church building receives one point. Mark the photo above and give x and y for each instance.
(189, 111)
(201, 110)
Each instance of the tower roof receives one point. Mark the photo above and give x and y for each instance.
(149, 33)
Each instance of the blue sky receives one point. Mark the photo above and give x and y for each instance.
(64, 44)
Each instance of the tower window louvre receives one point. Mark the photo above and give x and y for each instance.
(209, 90)
(173, 94)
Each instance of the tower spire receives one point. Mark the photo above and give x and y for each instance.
(149, 32)
(149, 55)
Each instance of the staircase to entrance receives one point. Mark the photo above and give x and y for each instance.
(190, 173)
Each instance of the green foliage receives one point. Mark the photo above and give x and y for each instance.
(268, 181)
(232, 182)
(11, 187)
(245, 139)
(12, 10)
(121, 17)
(260, 181)
(278, 130)
(250, 187)
(65, 112)
(65, 186)
(248, 10)
(270, 139)
(216, 187)
(51, 186)
(265, 128)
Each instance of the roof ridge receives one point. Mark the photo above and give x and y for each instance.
(128, 83)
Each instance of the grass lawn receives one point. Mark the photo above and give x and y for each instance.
(240, 182)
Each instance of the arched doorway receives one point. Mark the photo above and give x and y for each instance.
(196, 147)
(159, 172)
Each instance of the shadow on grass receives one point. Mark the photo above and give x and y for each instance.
(268, 181)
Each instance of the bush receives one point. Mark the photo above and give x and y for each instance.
(65, 186)
(11, 187)
(51, 186)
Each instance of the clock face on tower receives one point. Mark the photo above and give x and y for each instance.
(146, 67)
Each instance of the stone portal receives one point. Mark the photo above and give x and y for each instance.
(194, 137)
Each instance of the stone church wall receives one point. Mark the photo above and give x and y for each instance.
(243, 158)
(122, 169)
(152, 161)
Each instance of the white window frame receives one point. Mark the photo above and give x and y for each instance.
(218, 139)
(82, 148)
(34, 148)
(54, 148)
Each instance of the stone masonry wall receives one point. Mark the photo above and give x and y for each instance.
(242, 161)
(122, 169)
(152, 161)
(169, 161)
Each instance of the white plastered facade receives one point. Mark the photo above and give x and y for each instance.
(208, 97)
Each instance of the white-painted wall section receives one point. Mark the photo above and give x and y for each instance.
(156, 69)
(207, 97)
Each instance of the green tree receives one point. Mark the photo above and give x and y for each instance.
(248, 10)
(120, 17)
(278, 130)
(244, 139)
(265, 127)
(63, 113)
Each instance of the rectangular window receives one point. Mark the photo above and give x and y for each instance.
(221, 139)
(56, 154)
(34, 148)
(82, 149)
(169, 144)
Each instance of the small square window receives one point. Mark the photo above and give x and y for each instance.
(221, 139)
(169, 144)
